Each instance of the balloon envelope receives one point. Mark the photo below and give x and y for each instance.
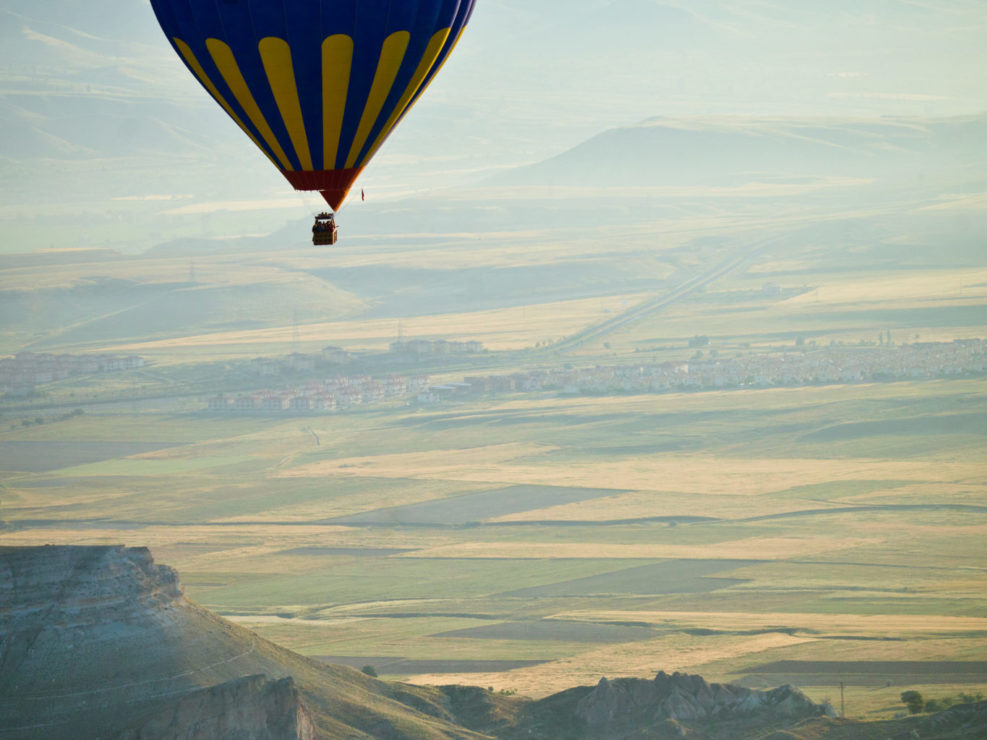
(318, 85)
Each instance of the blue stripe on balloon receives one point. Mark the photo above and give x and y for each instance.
(304, 24)
(419, 18)
(461, 18)
(368, 33)
(240, 33)
(339, 17)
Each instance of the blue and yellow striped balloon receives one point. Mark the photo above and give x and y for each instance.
(318, 85)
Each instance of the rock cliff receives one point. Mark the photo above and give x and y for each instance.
(69, 584)
(668, 706)
(637, 702)
(251, 708)
(101, 642)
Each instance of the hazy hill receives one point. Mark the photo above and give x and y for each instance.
(734, 151)
(96, 107)
(664, 169)
(99, 308)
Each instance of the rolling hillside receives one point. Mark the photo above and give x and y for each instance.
(101, 121)
(735, 151)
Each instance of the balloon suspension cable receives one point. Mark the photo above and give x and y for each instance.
(315, 205)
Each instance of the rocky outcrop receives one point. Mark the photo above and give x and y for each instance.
(250, 708)
(665, 708)
(100, 642)
(961, 722)
(684, 698)
(965, 720)
(67, 586)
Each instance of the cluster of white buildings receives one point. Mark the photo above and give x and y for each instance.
(321, 396)
(820, 366)
(435, 347)
(298, 362)
(333, 356)
(24, 371)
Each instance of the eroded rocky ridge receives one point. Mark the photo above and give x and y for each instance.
(686, 706)
(101, 642)
(66, 586)
(637, 702)
(250, 708)
(668, 706)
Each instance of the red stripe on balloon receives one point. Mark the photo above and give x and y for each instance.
(333, 184)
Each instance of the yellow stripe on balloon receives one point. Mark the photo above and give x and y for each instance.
(445, 58)
(276, 56)
(193, 63)
(391, 57)
(222, 55)
(449, 54)
(337, 62)
(424, 67)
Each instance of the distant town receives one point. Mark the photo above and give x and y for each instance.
(321, 396)
(803, 365)
(813, 366)
(22, 373)
(411, 350)
(823, 366)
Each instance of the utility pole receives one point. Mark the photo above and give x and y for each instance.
(842, 702)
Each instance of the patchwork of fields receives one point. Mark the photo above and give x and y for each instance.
(485, 563)
(528, 541)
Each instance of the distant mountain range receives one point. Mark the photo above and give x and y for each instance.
(84, 81)
(67, 68)
(735, 151)
(95, 107)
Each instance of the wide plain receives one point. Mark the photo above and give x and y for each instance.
(817, 533)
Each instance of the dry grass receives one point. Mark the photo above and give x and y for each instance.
(721, 656)
(906, 289)
(469, 251)
(762, 548)
(677, 652)
(693, 474)
(890, 625)
(643, 504)
(209, 270)
(371, 497)
(499, 329)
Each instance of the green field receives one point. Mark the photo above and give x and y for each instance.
(457, 536)
(817, 533)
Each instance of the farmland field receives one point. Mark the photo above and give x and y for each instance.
(472, 555)
(531, 540)
(480, 506)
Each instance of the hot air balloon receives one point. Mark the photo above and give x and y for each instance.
(318, 85)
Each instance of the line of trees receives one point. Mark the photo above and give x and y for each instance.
(917, 703)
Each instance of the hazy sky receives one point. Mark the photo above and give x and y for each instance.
(99, 83)
(546, 74)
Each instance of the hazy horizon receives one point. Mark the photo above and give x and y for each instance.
(90, 105)
(659, 344)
